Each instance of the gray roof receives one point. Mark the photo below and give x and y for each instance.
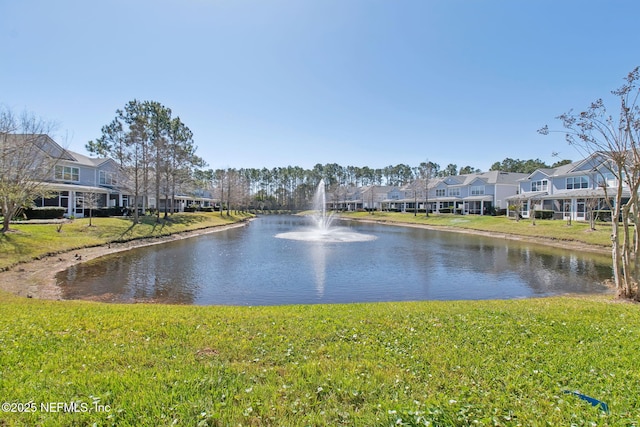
(490, 177)
(528, 195)
(43, 142)
(55, 150)
(88, 161)
(570, 168)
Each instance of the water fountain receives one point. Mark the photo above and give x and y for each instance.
(323, 230)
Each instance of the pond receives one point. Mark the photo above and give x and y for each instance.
(250, 266)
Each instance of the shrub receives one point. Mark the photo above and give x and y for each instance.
(45, 213)
(544, 214)
(602, 215)
(106, 212)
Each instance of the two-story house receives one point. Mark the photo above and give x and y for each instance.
(369, 197)
(476, 193)
(78, 182)
(569, 191)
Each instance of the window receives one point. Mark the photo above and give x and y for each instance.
(108, 178)
(454, 192)
(477, 191)
(580, 208)
(440, 193)
(576, 182)
(67, 173)
(606, 178)
(541, 185)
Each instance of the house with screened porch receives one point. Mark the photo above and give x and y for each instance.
(574, 191)
(476, 193)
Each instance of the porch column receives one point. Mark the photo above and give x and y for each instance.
(71, 210)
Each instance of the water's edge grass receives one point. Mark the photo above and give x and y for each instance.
(555, 232)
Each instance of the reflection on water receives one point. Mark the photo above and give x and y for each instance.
(319, 261)
(249, 266)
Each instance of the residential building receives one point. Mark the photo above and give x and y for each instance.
(570, 191)
(78, 182)
(477, 193)
(370, 197)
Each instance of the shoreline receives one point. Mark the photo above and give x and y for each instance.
(543, 241)
(37, 278)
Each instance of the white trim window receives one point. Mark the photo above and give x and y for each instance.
(540, 185)
(108, 178)
(581, 208)
(441, 192)
(577, 182)
(477, 190)
(606, 178)
(67, 173)
(453, 192)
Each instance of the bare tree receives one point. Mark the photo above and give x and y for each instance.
(532, 210)
(27, 159)
(615, 139)
(516, 207)
(591, 203)
(427, 171)
(90, 201)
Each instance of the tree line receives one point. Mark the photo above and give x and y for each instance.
(293, 187)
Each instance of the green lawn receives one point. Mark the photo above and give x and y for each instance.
(485, 363)
(29, 241)
(553, 229)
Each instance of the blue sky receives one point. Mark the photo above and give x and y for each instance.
(298, 82)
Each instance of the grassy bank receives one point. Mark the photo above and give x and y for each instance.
(456, 363)
(551, 229)
(30, 241)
